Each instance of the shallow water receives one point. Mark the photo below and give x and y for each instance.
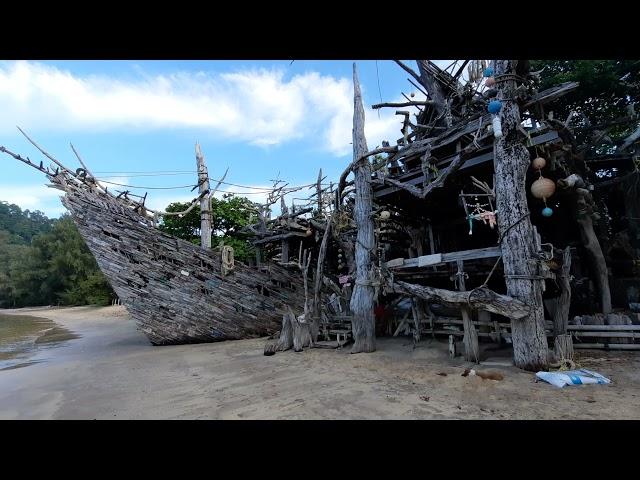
(24, 338)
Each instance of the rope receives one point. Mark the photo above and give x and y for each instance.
(504, 234)
(379, 90)
(484, 284)
(525, 277)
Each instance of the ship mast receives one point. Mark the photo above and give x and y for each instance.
(205, 200)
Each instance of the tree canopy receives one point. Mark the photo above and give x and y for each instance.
(46, 262)
(607, 92)
(229, 215)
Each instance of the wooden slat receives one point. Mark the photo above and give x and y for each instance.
(607, 334)
(604, 328)
(608, 346)
(416, 177)
(474, 254)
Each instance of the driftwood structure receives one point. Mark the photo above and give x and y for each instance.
(446, 218)
(176, 291)
(440, 233)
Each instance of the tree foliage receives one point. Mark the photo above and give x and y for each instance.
(607, 90)
(45, 262)
(229, 215)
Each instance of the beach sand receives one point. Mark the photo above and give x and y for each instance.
(111, 371)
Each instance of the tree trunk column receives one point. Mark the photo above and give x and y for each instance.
(363, 322)
(511, 161)
(205, 201)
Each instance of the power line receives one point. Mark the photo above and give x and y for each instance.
(259, 189)
(147, 188)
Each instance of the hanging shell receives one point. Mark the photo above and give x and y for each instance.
(539, 163)
(543, 188)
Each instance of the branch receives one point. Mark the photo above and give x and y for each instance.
(402, 104)
(481, 298)
(453, 167)
(409, 71)
(73, 174)
(630, 139)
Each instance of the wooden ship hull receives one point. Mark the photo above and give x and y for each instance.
(175, 290)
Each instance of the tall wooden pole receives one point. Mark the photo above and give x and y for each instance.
(363, 323)
(511, 161)
(205, 201)
(471, 347)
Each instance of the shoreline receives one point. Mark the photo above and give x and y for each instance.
(112, 372)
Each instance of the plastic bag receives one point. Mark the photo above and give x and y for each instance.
(572, 377)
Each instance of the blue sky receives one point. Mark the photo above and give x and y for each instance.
(258, 118)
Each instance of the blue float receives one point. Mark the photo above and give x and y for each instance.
(488, 72)
(495, 106)
(547, 212)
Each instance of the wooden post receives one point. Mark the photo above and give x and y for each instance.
(561, 314)
(471, 348)
(319, 192)
(583, 208)
(511, 161)
(284, 257)
(363, 322)
(205, 201)
(316, 307)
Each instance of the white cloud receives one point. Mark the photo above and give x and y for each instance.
(33, 197)
(260, 107)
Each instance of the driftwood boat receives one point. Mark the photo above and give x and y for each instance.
(176, 291)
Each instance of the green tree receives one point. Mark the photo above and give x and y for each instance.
(607, 90)
(44, 261)
(229, 215)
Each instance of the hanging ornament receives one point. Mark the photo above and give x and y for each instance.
(494, 106)
(490, 82)
(539, 163)
(488, 72)
(547, 212)
(543, 188)
(497, 126)
(385, 215)
(412, 94)
(309, 232)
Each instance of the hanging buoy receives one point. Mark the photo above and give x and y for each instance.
(497, 126)
(543, 188)
(488, 72)
(547, 212)
(490, 82)
(494, 106)
(539, 163)
(385, 215)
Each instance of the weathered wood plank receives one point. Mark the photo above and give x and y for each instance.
(450, 257)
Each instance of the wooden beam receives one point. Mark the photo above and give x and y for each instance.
(482, 298)
(426, 260)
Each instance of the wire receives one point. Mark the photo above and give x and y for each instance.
(148, 188)
(379, 90)
(250, 187)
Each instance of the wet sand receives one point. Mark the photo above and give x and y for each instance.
(111, 372)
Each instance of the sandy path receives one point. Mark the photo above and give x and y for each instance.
(112, 372)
